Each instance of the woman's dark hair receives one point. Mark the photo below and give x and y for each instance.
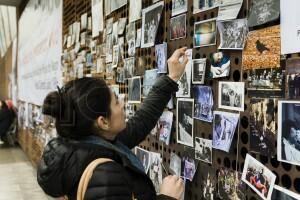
(77, 105)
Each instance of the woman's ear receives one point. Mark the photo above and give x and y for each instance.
(103, 123)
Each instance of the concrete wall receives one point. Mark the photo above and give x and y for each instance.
(5, 70)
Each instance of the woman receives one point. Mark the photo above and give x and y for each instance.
(7, 116)
(91, 124)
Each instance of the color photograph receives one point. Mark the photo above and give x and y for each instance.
(205, 33)
(203, 103)
(178, 27)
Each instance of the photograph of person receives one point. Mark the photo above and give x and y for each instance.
(288, 141)
(144, 157)
(175, 164)
(134, 90)
(283, 194)
(198, 71)
(203, 149)
(149, 80)
(224, 126)
(129, 65)
(155, 170)
(220, 65)
(189, 168)
(258, 177)
(186, 79)
(203, 103)
(263, 126)
(293, 78)
(165, 126)
(184, 121)
(178, 27)
(207, 181)
(161, 57)
(178, 7)
(205, 33)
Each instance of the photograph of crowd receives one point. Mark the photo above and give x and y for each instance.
(266, 83)
(203, 103)
(161, 57)
(144, 157)
(205, 33)
(288, 136)
(293, 78)
(203, 149)
(175, 164)
(231, 95)
(155, 170)
(178, 7)
(233, 33)
(283, 194)
(165, 126)
(184, 121)
(150, 22)
(198, 70)
(178, 27)
(149, 80)
(220, 65)
(134, 90)
(184, 83)
(258, 177)
(224, 126)
(262, 126)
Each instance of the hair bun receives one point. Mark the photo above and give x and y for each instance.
(51, 105)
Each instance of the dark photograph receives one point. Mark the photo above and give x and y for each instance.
(134, 90)
(198, 71)
(293, 78)
(203, 149)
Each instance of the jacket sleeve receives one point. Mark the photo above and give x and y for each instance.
(144, 120)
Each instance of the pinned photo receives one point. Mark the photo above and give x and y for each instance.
(129, 64)
(231, 95)
(161, 57)
(203, 149)
(175, 164)
(155, 170)
(109, 47)
(165, 126)
(293, 78)
(149, 80)
(224, 126)
(207, 181)
(144, 157)
(115, 56)
(203, 103)
(178, 27)
(205, 33)
(203, 5)
(135, 10)
(134, 90)
(220, 65)
(178, 7)
(258, 177)
(198, 71)
(189, 168)
(282, 193)
(120, 77)
(229, 9)
(185, 80)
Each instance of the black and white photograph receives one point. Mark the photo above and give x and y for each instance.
(224, 126)
(135, 10)
(233, 34)
(220, 65)
(178, 27)
(161, 57)
(129, 65)
(165, 126)
(108, 70)
(262, 126)
(116, 4)
(138, 37)
(121, 43)
(150, 22)
(109, 25)
(155, 170)
(204, 102)
(283, 194)
(198, 71)
(121, 25)
(231, 95)
(179, 6)
(131, 47)
(134, 90)
(109, 47)
(175, 164)
(205, 33)
(263, 11)
(288, 136)
(100, 64)
(266, 83)
(129, 111)
(120, 75)
(203, 149)
(188, 167)
(258, 177)
(149, 80)
(130, 31)
(203, 5)
(184, 121)
(185, 80)
(144, 157)
(115, 56)
(229, 9)
(208, 181)
(115, 33)
(83, 21)
(293, 78)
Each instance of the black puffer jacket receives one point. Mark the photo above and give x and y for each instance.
(64, 161)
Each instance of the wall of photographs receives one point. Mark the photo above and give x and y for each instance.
(253, 125)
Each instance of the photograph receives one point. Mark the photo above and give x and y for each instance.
(185, 80)
(109, 25)
(229, 9)
(184, 121)
(203, 5)
(109, 47)
(175, 164)
(135, 10)
(165, 126)
(188, 168)
(233, 34)
(208, 181)
(280, 193)
(178, 27)
(116, 4)
(120, 75)
(263, 126)
(130, 31)
(231, 95)
(258, 177)
(224, 126)
(263, 11)
(198, 70)
(288, 136)
(134, 90)
(109, 71)
(83, 21)
(204, 103)
(115, 33)
(266, 83)
(262, 49)
(220, 65)
(179, 6)
(121, 25)
(115, 56)
(161, 57)
(129, 65)
(155, 170)
(150, 22)
(148, 81)
(144, 156)
(131, 47)
(205, 33)
(138, 37)
(129, 111)
(293, 78)
(203, 149)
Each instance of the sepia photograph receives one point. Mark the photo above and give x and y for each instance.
(205, 33)
(129, 65)
(203, 149)
(135, 10)
(224, 126)
(184, 121)
(203, 103)
(155, 170)
(161, 57)
(175, 164)
(149, 80)
(150, 22)
(288, 136)
(178, 27)
(293, 78)
(280, 193)
(179, 6)
(165, 126)
(144, 156)
(198, 71)
(233, 34)
(184, 83)
(134, 90)
(231, 95)
(220, 65)
(258, 177)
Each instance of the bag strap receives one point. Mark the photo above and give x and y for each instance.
(87, 174)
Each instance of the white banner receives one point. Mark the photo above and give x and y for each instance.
(39, 50)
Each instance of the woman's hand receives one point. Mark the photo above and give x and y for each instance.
(172, 186)
(176, 65)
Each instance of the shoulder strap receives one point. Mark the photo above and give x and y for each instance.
(87, 174)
